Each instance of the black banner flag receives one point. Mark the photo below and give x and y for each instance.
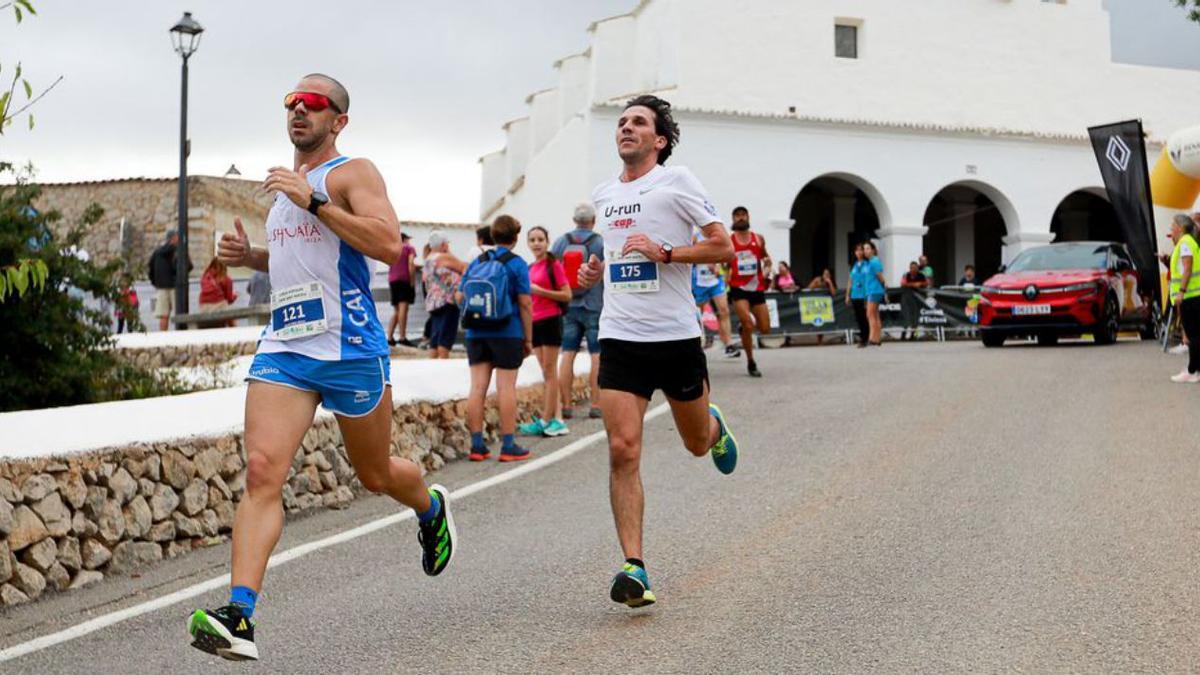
(1121, 153)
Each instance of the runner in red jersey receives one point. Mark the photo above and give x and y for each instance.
(749, 270)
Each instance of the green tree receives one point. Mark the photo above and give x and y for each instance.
(55, 347)
(1193, 7)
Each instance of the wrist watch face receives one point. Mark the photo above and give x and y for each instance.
(317, 200)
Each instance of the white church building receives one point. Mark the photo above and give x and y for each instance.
(954, 128)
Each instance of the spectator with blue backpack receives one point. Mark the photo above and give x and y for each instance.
(497, 312)
(582, 319)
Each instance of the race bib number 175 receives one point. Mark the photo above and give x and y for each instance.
(633, 273)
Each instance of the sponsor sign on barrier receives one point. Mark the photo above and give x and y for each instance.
(815, 312)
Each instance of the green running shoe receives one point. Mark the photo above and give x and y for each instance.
(534, 428)
(225, 632)
(631, 587)
(555, 428)
(725, 451)
(437, 537)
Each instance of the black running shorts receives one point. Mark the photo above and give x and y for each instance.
(548, 332)
(755, 298)
(677, 367)
(502, 353)
(402, 291)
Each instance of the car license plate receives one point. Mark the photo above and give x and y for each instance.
(1030, 310)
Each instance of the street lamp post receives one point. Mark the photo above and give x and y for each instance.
(185, 35)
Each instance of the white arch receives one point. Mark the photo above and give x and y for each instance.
(1012, 222)
(882, 210)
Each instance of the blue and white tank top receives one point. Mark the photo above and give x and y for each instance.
(303, 250)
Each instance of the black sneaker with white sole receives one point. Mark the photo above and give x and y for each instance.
(437, 537)
(225, 632)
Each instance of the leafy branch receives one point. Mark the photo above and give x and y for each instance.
(1193, 7)
(20, 277)
(8, 96)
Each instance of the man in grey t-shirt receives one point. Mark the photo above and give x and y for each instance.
(583, 316)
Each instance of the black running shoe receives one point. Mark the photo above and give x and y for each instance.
(752, 367)
(225, 632)
(437, 536)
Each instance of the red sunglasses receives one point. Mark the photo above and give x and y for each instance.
(311, 101)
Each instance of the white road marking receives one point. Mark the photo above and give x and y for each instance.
(112, 618)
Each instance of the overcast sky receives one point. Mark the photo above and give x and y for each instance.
(430, 82)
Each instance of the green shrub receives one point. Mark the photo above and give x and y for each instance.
(55, 341)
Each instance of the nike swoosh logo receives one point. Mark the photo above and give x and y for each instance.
(645, 190)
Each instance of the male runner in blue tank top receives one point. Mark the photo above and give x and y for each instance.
(324, 345)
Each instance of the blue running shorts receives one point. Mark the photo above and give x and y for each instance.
(351, 387)
(703, 295)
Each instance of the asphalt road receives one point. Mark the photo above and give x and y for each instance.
(917, 507)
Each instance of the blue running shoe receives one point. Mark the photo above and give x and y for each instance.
(631, 587)
(514, 454)
(725, 451)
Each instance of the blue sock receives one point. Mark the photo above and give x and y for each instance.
(245, 598)
(508, 442)
(435, 505)
(477, 440)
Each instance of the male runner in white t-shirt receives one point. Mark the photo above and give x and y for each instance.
(649, 337)
(325, 345)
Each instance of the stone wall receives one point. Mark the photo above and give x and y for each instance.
(187, 356)
(68, 522)
(216, 354)
(149, 209)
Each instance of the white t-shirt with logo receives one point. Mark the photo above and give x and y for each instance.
(644, 301)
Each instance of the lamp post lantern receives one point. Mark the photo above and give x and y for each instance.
(185, 35)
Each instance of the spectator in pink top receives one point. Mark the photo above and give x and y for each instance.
(401, 275)
(548, 285)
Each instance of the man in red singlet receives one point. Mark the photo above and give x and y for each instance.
(749, 270)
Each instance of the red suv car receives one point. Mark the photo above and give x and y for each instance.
(1065, 290)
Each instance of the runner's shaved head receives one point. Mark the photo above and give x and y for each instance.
(336, 92)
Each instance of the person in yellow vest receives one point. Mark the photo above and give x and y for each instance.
(1185, 291)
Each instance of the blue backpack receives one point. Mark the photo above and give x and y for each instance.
(487, 295)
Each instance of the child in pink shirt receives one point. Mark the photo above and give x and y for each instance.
(548, 285)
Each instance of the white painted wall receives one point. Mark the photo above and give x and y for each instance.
(951, 79)
(574, 85)
(544, 121)
(494, 179)
(517, 148)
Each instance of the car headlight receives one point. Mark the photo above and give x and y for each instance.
(991, 289)
(1089, 286)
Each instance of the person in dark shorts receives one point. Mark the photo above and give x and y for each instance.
(581, 322)
(550, 291)
(649, 335)
(441, 274)
(749, 278)
(500, 349)
(401, 276)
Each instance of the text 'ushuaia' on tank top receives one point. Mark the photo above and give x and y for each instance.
(333, 281)
(646, 301)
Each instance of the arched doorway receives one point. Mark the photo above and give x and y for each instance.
(967, 223)
(831, 214)
(1086, 215)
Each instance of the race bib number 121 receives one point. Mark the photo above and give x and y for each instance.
(298, 311)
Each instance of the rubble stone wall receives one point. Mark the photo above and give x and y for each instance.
(68, 522)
